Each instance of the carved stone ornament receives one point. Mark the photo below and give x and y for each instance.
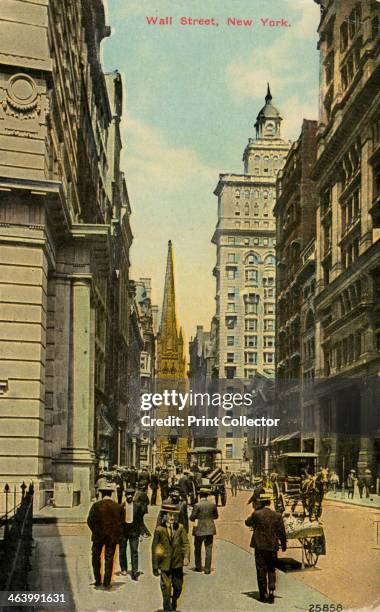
(21, 98)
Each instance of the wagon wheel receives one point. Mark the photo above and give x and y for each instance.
(310, 548)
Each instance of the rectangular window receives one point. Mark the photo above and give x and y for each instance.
(231, 258)
(231, 307)
(269, 325)
(251, 276)
(229, 451)
(230, 340)
(250, 358)
(268, 309)
(269, 357)
(268, 341)
(250, 341)
(230, 357)
(251, 325)
(231, 273)
(231, 293)
(250, 308)
(249, 373)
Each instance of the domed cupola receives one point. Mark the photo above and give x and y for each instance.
(268, 122)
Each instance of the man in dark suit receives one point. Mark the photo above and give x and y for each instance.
(170, 553)
(205, 512)
(163, 481)
(105, 520)
(268, 531)
(154, 487)
(133, 528)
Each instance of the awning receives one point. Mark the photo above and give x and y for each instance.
(285, 437)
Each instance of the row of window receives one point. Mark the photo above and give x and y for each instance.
(251, 358)
(266, 242)
(251, 341)
(251, 259)
(250, 324)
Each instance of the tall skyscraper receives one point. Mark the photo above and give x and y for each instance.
(245, 268)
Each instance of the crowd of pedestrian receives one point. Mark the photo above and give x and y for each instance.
(117, 518)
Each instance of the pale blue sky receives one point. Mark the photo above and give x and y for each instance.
(191, 98)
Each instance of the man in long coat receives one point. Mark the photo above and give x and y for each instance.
(170, 553)
(268, 532)
(105, 520)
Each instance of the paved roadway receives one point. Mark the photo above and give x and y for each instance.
(347, 575)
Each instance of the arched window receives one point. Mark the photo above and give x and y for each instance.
(266, 164)
(237, 193)
(270, 260)
(252, 259)
(246, 209)
(237, 209)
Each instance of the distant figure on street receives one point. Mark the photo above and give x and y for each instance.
(258, 490)
(133, 528)
(368, 482)
(334, 482)
(170, 553)
(184, 486)
(268, 532)
(105, 520)
(351, 480)
(154, 487)
(234, 484)
(163, 481)
(205, 513)
(117, 478)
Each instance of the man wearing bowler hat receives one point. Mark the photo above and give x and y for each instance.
(105, 520)
(133, 528)
(205, 512)
(170, 553)
(268, 531)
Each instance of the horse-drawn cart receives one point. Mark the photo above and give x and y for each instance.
(310, 536)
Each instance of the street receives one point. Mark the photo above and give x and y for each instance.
(348, 575)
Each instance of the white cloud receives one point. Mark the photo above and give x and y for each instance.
(306, 23)
(294, 110)
(153, 161)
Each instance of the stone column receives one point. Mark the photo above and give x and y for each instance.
(368, 410)
(76, 463)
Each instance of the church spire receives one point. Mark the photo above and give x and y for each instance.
(168, 327)
(268, 97)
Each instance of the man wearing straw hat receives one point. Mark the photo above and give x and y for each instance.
(105, 520)
(268, 532)
(170, 553)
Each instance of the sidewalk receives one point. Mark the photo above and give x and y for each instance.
(49, 514)
(366, 502)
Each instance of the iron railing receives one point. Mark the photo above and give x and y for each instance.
(16, 537)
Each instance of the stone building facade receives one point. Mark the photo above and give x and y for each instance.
(245, 270)
(148, 321)
(347, 174)
(295, 223)
(64, 237)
